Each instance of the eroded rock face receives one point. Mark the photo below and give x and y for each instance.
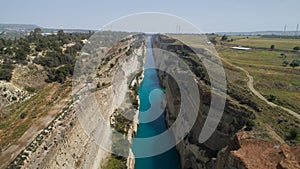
(11, 94)
(66, 142)
(229, 146)
(192, 153)
(255, 153)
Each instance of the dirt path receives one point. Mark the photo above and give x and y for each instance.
(254, 91)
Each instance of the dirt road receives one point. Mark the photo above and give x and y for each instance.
(255, 92)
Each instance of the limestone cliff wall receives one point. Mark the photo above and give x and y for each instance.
(192, 153)
(65, 143)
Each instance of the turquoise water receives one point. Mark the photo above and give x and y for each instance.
(169, 159)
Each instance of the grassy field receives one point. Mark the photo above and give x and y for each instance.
(13, 126)
(192, 40)
(270, 78)
(262, 42)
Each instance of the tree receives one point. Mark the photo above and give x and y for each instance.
(295, 63)
(285, 63)
(224, 38)
(38, 48)
(60, 33)
(282, 55)
(296, 48)
(37, 31)
(272, 47)
(20, 55)
(293, 133)
(249, 124)
(271, 98)
(23, 115)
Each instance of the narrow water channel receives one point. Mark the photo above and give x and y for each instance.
(150, 86)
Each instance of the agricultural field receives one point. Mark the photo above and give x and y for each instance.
(273, 75)
(264, 42)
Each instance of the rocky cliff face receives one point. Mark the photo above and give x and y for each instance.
(233, 145)
(65, 143)
(192, 153)
(258, 154)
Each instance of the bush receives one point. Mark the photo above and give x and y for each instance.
(20, 55)
(60, 74)
(30, 89)
(234, 121)
(23, 115)
(115, 162)
(98, 85)
(285, 63)
(6, 71)
(129, 52)
(293, 134)
(271, 98)
(295, 63)
(249, 124)
(224, 38)
(296, 48)
(38, 48)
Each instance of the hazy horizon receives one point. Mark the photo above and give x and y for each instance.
(209, 16)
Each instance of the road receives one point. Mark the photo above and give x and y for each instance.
(256, 93)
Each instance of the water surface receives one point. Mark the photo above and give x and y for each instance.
(150, 86)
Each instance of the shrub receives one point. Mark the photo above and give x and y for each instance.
(5, 73)
(285, 63)
(30, 89)
(98, 85)
(23, 115)
(293, 134)
(234, 121)
(271, 98)
(224, 38)
(296, 48)
(249, 124)
(295, 63)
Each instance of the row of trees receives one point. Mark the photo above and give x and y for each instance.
(296, 48)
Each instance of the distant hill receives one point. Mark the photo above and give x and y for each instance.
(15, 30)
(21, 30)
(18, 26)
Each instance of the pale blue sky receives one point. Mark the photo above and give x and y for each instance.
(209, 15)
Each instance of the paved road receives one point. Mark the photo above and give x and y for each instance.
(254, 91)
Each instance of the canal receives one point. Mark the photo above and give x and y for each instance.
(151, 96)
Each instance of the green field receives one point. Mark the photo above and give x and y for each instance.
(270, 77)
(262, 42)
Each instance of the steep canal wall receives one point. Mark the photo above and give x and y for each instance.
(215, 152)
